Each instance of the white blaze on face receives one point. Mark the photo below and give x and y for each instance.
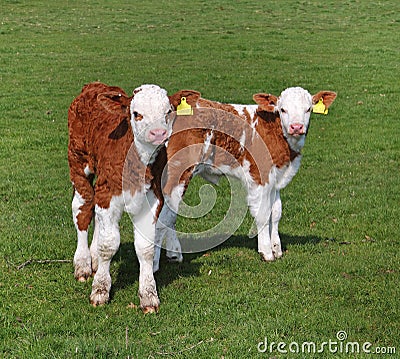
(294, 106)
(150, 115)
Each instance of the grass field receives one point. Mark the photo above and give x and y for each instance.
(340, 225)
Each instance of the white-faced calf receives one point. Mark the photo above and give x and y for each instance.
(115, 155)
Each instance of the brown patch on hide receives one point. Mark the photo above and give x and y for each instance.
(269, 127)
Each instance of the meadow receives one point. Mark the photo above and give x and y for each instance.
(339, 278)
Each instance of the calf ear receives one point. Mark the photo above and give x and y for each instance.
(267, 102)
(115, 102)
(192, 97)
(327, 97)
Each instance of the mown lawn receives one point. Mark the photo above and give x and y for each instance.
(341, 268)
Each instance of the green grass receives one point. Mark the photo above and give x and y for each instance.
(340, 226)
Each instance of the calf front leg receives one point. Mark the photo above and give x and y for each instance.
(107, 246)
(264, 242)
(144, 223)
(260, 205)
(275, 218)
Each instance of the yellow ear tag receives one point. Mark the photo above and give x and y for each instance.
(184, 109)
(319, 107)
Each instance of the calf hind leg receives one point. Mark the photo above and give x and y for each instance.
(82, 215)
(165, 228)
(107, 246)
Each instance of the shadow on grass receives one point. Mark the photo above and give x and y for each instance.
(128, 272)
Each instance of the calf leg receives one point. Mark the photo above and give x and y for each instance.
(107, 246)
(93, 246)
(82, 212)
(165, 228)
(275, 218)
(264, 242)
(144, 245)
(172, 244)
(260, 207)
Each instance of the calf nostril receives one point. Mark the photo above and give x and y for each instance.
(158, 132)
(296, 126)
(296, 129)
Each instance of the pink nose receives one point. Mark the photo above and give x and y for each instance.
(158, 135)
(296, 129)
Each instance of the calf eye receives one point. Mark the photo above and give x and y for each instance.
(138, 116)
(283, 110)
(169, 115)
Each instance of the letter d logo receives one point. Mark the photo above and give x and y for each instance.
(262, 346)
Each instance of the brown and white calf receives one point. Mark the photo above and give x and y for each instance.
(115, 154)
(258, 144)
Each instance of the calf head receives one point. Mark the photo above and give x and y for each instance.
(151, 115)
(294, 107)
(153, 112)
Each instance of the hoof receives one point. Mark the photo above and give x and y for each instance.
(99, 297)
(175, 259)
(149, 303)
(174, 256)
(83, 271)
(147, 310)
(265, 258)
(82, 276)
